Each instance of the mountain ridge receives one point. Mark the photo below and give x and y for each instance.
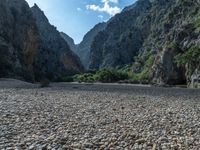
(27, 44)
(163, 29)
(158, 39)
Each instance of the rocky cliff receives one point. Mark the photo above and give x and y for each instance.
(161, 38)
(69, 41)
(122, 38)
(19, 39)
(30, 48)
(84, 48)
(54, 57)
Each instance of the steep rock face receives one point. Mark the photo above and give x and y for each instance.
(18, 39)
(122, 38)
(30, 48)
(165, 28)
(69, 41)
(177, 30)
(84, 48)
(54, 59)
(166, 70)
(195, 78)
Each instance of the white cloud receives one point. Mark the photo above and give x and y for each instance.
(112, 1)
(79, 9)
(100, 16)
(106, 7)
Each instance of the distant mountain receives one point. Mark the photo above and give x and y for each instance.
(30, 48)
(122, 38)
(84, 48)
(161, 38)
(54, 57)
(69, 41)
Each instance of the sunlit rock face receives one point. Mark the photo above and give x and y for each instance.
(54, 57)
(83, 50)
(164, 28)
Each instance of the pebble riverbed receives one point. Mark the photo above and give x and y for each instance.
(58, 118)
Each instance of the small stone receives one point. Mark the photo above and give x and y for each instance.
(31, 147)
(140, 141)
(88, 145)
(154, 147)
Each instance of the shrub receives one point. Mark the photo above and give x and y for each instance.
(103, 75)
(197, 23)
(173, 45)
(184, 2)
(145, 73)
(121, 74)
(67, 79)
(6, 66)
(110, 75)
(191, 56)
(87, 77)
(44, 83)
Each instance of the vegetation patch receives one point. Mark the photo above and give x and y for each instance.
(197, 23)
(44, 83)
(103, 75)
(191, 56)
(173, 45)
(184, 2)
(121, 74)
(145, 73)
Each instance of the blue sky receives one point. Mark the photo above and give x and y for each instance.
(77, 17)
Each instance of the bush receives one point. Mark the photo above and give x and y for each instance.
(144, 73)
(184, 2)
(87, 77)
(67, 79)
(6, 67)
(173, 45)
(110, 75)
(103, 75)
(191, 56)
(197, 23)
(123, 74)
(44, 83)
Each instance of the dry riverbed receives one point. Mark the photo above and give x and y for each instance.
(87, 116)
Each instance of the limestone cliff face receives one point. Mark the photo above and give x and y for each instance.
(176, 32)
(69, 41)
(122, 38)
(18, 39)
(84, 48)
(162, 28)
(30, 48)
(54, 57)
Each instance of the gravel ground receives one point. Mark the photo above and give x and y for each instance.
(110, 117)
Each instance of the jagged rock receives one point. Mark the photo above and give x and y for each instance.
(18, 39)
(30, 48)
(54, 58)
(195, 79)
(122, 37)
(84, 48)
(150, 25)
(166, 70)
(69, 41)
